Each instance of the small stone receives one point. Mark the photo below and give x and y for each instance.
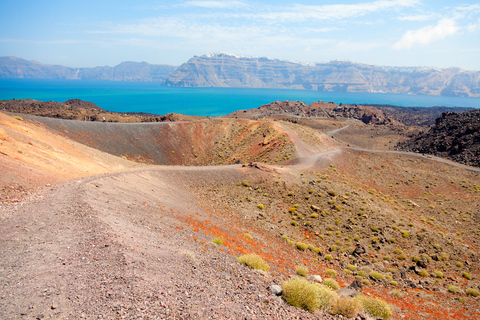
(276, 289)
(356, 285)
(346, 292)
(316, 278)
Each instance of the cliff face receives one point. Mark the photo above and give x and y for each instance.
(13, 67)
(224, 70)
(455, 136)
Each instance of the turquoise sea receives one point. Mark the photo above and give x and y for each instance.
(158, 99)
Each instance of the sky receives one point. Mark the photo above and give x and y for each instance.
(91, 33)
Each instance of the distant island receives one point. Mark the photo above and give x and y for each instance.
(228, 70)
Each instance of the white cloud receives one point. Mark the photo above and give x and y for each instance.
(331, 12)
(419, 17)
(428, 34)
(215, 4)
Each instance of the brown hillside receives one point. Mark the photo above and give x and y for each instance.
(137, 243)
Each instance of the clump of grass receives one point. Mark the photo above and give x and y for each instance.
(249, 199)
(301, 271)
(346, 307)
(362, 274)
(331, 283)
(246, 183)
(254, 261)
(376, 275)
(260, 206)
(375, 307)
(328, 257)
(326, 296)
(18, 118)
(453, 289)
(423, 273)
(397, 251)
(301, 294)
(248, 236)
(459, 264)
(374, 228)
(366, 282)
(472, 292)
(294, 223)
(331, 193)
(438, 274)
(397, 293)
(218, 241)
(301, 246)
(291, 243)
(351, 267)
(331, 272)
(466, 275)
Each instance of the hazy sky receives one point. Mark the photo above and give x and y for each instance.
(385, 32)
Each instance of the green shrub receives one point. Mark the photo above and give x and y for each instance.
(18, 118)
(374, 228)
(375, 307)
(311, 247)
(248, 236)
(459, 264)
(245, 183)
(331, 192)
(472, 292)
(326, 296)
(301, 294)
(466, 275)
(362, 274)
(218, 241)
(301, 246)
(366, 282)
(328, 257)
(331, 272)
(294, 223)
(453, 289)
(376, 275)
(331, 283)
(387, 258)
(260, 206)
(254, 262)
(346, 307)
(397, 251)
(402, 257)
(438, 274)
(351, 267)
(301, 270)
(291, 243)
(423, 273)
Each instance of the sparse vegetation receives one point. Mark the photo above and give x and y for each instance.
(472, 292)
(346, 307)
(331, 283)
(218, 241)
(331, 272)
(254, 261)
(301, 271)
(375, 307)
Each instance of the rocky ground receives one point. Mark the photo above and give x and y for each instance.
(455, 136)
(136, 242)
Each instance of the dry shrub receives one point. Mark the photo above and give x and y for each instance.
(254, 262)
(326, 296)
(301, 270)
(301, 294)
(331, 283)
(375, 307)
(346, 307)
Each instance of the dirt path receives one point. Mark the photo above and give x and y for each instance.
(115, 246)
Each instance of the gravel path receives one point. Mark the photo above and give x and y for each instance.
(114, 247)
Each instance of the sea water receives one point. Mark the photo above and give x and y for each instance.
(157, 99)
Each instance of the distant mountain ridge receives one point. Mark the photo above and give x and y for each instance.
(17, 68)
(227, 70)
